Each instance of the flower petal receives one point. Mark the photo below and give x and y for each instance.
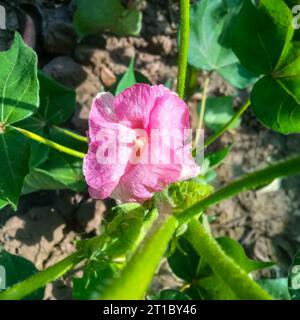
(134, 105)
(170, 112)
(107, 160)
(102, 114)
(145, 178)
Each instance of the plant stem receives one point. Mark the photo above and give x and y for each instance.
(51, 144)
(222, 265)
(202, 110)
(250, 181)
(136, 277)
(71, 134)
(227, 126)
(40, 279)
(184, 46)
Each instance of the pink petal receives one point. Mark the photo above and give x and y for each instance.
(170, 112)
(189, 167)
(134, 105)
(102, 174)
(102, 113)
(142, 180)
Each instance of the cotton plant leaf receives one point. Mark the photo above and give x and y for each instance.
(277, 288)
(270, 51)
(19, 86)
(169, 294)
(14, 159)
(106, 15)
(128, 78)
(39, 151)
(18, 269)
(184, 194)
(95, 277)
(210, 37)
(218, 112)
(60, 170)
(57, 102)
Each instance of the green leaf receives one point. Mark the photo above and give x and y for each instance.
(275, 99)
(169, 295)
(18, 269)
(210, 39)
(39, 179)
(218, 113)
(269, 30)
(234, 250)
(125, 228)
(14, 159)
(184, 194)
(106, 15)
(274, 107)
(277, 288)
(294, 278)
(184, 261)
(128, 79)
(292, 3)
(39, 151)
(95, 278)
(217, 157)
(18, 82)
(3, 204)
(60, 171)
(57, 102)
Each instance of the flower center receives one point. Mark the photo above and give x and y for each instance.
(139, 143)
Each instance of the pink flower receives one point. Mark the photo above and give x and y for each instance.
(124, 160)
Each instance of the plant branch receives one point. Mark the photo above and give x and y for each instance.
(184, 46)
(227, 126)
(40, 279)
(248, 182)
(51, 144)
(222, 265)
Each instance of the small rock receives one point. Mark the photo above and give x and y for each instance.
(107, 77)
(66, 71)
(60, 36)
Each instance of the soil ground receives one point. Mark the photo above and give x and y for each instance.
(266, 222)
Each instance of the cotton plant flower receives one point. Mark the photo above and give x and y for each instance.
(137, 144)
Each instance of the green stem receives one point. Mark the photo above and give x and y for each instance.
(227, 126)
(184, 45)
(40, 279)
(51, 144)
(136, 277)
(222, 265)
(250, 181)
(71, 134)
